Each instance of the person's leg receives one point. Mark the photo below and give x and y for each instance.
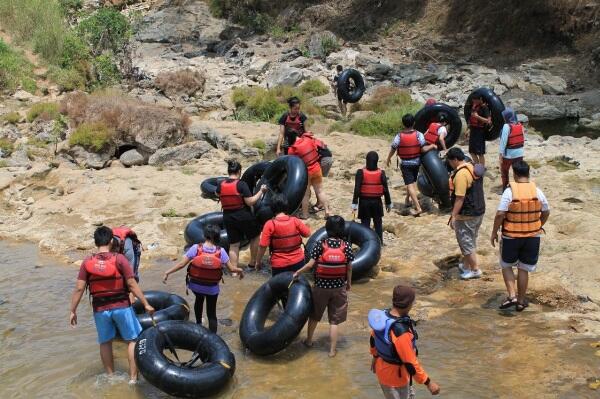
(320, 194)
(366, 222)
(333, 338)
(254, 249)
(509, 281)
(234, 253)
(522, 282)
(394, 392)
(412, 192)
(199, 307)
(306, 202)
(310, 331)
(482, 159)
(378, 224)
(504, 169)
(211, 312)
(106, 354)
(475, 226)
(133, 371)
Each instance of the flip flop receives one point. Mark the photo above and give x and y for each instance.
(521, 306)
(316, 209)
(508, 302)
(307, 344)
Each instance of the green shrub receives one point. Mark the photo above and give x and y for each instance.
(43, 111)
(105, 30)
(12, 117)
(67, 79)
(314, 87)
(75, 53)
(107, 72)
(329, 44)
(171, 213)
(3, 163)
(15, 70)
(91, 136)
(260, 144)
(71, 5)
(6, 147)
(386, 123)
(386, 98)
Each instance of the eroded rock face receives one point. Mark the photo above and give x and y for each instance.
(91, 160)
(284, 75)
(179, 154)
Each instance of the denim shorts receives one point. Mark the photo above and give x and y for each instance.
(123, 320)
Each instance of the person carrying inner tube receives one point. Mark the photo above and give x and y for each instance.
(306, 148)
(468, 208)
(291, 125)
(110, 279)
(437, 131)
(204, 273)
(370, 185)
(283, 235)
(512, 141)
(127, 243)
(393, 345)
(409, 144)
(522, 213)
(333, 275)
(479, 121)
(236, 200)
(341, 102)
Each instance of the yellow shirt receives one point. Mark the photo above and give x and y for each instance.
(463, 180)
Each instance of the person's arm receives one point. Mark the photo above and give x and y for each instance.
(404, 348)
(424, 146)
(388, 161)
(303, 229)
(309, 265)
(498, 220)
(458, 204)
(503, 141)
(183, 263)
(251, 201)
(75, 299)
(259, 256)
(544, 217)
(357, 183)
(386, 191)
(135, 289)
(234, 269)
(443, 143)
(128, 251)
(349, 276)
(280, 140)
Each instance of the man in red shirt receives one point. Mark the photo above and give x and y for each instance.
(110, 278)
(394, 350)
(283, 235)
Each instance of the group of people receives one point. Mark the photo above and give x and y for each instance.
(112, 278)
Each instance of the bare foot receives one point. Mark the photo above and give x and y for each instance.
(333, 353)
(307, 343)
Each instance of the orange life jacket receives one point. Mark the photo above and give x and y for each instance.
(205, 268)
(231, 199)
(409, 147)
(371, 183)
(432, 135)
(122, 233)
(516, 137)
(285, 237)
(473, 121)
(305, 148)
(105, 282)
(333, 262)
(524, 216)
(294, 123)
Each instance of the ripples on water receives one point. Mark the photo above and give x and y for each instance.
(470, 350)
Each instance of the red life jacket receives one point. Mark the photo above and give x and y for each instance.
(205, 268)
(122, 233)
(305, 148)
(516, 137)
(409, 147)
(333, 262)
(371, 184)
(105, 282)
(285, 237)
(294, 123)
(231, 199)
(473, 121)
(432, 135)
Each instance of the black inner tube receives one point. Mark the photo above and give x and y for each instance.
(253, 174)
(496, 107)
(194, 231)
(178, 380)
(290, 321)
(436, 174)
(429, 114)
(365, 258)
(351, 85)
(168, 307)
(208, 187)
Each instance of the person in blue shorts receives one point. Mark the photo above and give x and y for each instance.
(110, 278)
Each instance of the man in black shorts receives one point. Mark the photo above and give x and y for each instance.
(479, 122)
(334, 85)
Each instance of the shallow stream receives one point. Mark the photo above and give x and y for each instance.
(469, 347)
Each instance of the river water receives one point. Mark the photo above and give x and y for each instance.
(466, 345)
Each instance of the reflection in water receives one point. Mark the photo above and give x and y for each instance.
(563, 127)
(470, 350)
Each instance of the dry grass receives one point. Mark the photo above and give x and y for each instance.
(182, 82)
(124, 115)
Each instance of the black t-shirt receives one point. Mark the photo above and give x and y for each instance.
(288, 136)
(243, 189)
(484, 112)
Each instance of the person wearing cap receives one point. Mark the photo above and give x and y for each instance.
(393, 345)
(468, 208)
(512, 141)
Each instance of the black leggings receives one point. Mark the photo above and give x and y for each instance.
(378, 224)
(211, 310)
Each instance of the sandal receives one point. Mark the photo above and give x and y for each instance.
(508, 302)
(521, 306)
(307, 344)
(316, 209)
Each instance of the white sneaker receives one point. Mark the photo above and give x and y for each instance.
(461, 267)
(477, 273)
(470, 274)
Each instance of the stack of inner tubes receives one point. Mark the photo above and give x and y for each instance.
(206, 374)
(290, 322)
(369, 245)
(496, 107)
(168, 307)
(429, 114)
(194, 231)
(286, 175)
(253, 174)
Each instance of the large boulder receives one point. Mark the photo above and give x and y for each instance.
(284, 75)
(317, 43)
(346, 58)
(550, 84)
(257, 67)
(180, 154)
(88, 159)
(132, 158)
